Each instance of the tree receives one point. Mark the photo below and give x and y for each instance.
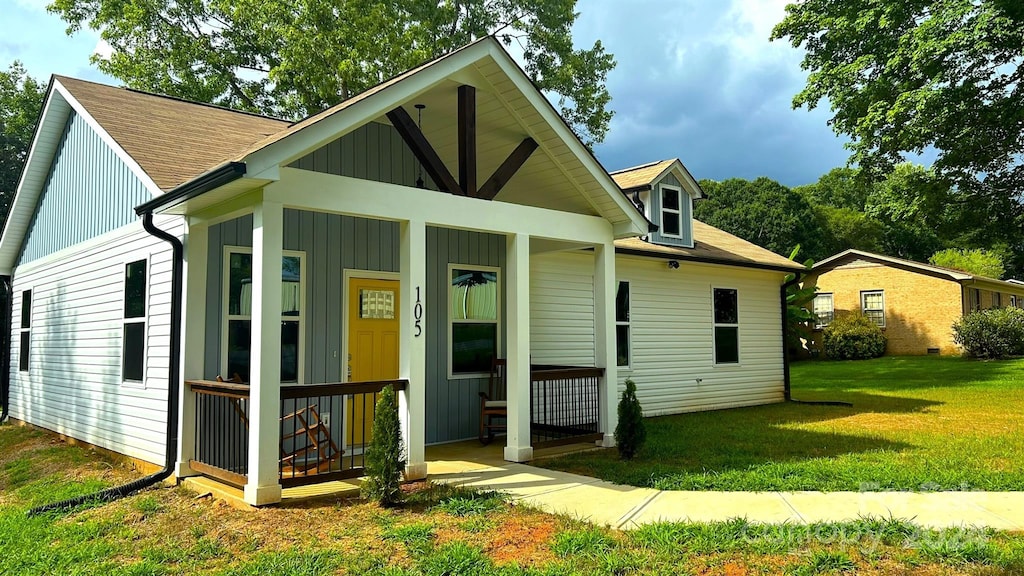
(918, 210)
(906, 76)
(846, 228)
(978, 262)
(21, 97)
(295, 58)
(385, 457)
(838, 188)
(761, 211)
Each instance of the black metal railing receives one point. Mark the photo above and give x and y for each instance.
(221, 431)
(326, 428)
(565, 405)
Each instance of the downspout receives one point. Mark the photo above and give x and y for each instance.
(171, 448)
(785, 334)
(6, 303)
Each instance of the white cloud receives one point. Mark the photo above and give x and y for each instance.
(102, 49)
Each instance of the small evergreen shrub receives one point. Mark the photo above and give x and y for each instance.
(853, 337)
(630, 432)
(995, 333)
(385, 457)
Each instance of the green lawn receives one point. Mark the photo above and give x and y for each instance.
(441, 532)
(925, 423)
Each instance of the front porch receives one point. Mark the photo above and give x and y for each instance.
(282, 278)
(564, 410)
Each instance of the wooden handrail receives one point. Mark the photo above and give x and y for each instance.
(213, 387)
(339, 388)
(235, 390)
(547, 374)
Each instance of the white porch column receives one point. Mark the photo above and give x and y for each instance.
(263, 485)
(605, 285)
(412, 404)
(517, 330)
(193, 332)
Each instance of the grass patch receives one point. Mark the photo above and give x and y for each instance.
(917, 423)
(586, 542)
(467, 503)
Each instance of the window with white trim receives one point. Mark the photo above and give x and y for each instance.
(823, 309)
(872, 304)
(622, 347)
(671, 211)
(973, 299)
(726, 325)
(473, 318)
(238, 320)
(133, 330)
(997, 300)
(25, 338)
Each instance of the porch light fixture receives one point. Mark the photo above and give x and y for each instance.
(673, 264)
(419, 124)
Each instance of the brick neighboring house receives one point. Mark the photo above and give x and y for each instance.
(915, 303)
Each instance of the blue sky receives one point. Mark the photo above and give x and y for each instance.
(696, 80)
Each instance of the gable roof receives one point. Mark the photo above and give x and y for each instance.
(486, 63)
(714, 246)
(173, 140)
(912, 265)
(644, 176)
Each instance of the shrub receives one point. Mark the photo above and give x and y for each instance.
(853, 337)
(630, 432)
(995, 333)
(385, 457)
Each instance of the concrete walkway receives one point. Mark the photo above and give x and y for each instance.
(626, 507)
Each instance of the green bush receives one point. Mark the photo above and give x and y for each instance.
(853, 337)
(385, 457)
(995, 333)
(630, 432)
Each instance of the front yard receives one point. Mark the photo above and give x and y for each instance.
(924, 423)
(444, 532)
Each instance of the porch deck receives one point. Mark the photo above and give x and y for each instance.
(442, 460)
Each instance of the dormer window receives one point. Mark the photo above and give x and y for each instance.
(671, 212)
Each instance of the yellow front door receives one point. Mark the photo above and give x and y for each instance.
(372, 346)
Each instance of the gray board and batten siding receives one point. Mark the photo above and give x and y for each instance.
(686, 204)
(334, 243)
(90, 191)
(373, 151)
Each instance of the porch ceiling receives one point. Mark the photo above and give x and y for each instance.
(504, 119)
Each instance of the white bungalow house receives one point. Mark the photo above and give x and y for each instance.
(405, 237)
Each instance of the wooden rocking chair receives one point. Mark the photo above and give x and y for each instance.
(493, 403)
(318, 438)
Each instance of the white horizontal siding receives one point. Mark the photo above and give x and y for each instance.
(562, 309)
(671, 329)
(74, 385)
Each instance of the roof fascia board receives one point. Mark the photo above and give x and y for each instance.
(557, 123)
(990, 283)
(11, 240)
(294, 146)
(684, 175)
(832, 261)
(109, 140)
(704, 260)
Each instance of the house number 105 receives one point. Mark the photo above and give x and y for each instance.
(417, 314)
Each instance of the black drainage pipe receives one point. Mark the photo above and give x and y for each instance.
(171, 449)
